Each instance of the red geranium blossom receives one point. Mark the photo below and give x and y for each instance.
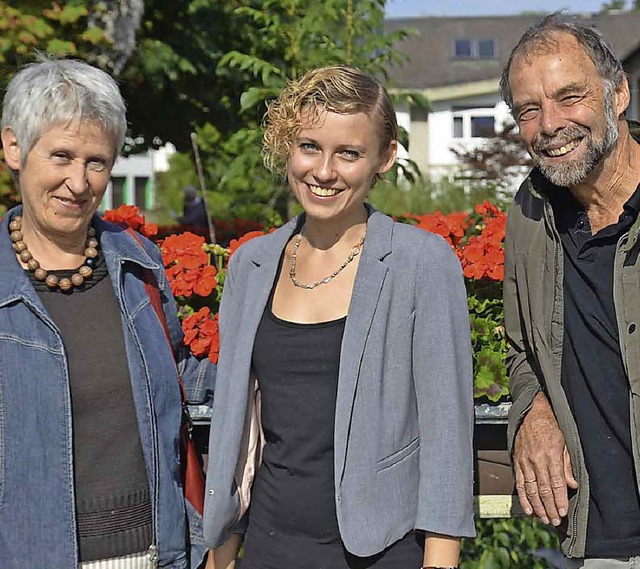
(452, 226)
(130, 215)
(480, 258)
(185, 248)
(202, 334)
(187, 265)
(481, 254)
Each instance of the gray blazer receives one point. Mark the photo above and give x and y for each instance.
(404, 410)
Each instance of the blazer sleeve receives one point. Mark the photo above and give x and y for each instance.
(443, 376)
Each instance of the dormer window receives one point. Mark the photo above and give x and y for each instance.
(486, 49)
(467, 48)
(463, 48)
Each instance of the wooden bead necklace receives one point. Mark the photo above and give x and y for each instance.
(52, 281)
(355, 251)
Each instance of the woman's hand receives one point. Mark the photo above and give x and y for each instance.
(224, 557)
(441, 550)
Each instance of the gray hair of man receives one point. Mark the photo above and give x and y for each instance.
(57, 92)
(543, 37)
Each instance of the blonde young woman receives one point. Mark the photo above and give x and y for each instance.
(342, 422)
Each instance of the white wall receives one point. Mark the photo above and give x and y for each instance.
(142, 167)
(441, 128)
(403, 116)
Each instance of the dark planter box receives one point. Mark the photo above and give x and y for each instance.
(493, 479)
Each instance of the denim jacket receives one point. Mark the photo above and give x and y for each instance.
(37, 506)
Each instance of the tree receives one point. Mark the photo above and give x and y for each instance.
(273, 41)
(101, 32)
(496, 162)
(27, 27)
(170, 82)
(619, 5)
(202, 65)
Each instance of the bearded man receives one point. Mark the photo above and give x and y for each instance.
(572, 293)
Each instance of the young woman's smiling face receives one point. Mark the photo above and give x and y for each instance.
(333, 164)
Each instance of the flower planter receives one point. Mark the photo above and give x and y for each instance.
(493, 481)
(494, 486)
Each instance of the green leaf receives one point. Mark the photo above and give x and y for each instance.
(61, 47)
(93, 35)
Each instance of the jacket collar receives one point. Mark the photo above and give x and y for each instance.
(14, 282)
(117, 246)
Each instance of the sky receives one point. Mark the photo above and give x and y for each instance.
(410, 8)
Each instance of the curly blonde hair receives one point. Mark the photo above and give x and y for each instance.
(338, 89)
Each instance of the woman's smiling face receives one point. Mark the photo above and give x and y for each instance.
(333, 163)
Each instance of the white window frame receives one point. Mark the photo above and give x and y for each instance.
(467, 115)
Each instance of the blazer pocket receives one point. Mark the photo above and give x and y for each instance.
(406, 320)
(399, 455)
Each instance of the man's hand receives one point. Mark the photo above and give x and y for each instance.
(542, 464)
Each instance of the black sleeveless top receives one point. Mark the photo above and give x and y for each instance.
(292, 518)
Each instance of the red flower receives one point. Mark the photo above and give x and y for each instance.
(149, 230)
(185, 248)
(187, 265)
(130, 215)
(452, 226)
(482, 259)
(486, 208)
(202, 334)
(481, 255)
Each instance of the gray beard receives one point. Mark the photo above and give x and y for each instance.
(575, 172)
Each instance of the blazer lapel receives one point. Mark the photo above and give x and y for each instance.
(364, 300)
(259, 281)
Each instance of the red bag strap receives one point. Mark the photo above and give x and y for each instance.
(191, 464)
(153, 293)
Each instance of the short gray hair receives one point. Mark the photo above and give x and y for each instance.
(56, 92)
(541, 35)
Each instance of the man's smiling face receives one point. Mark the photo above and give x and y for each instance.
(567, 120)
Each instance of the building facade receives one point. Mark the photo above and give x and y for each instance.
(456, 63)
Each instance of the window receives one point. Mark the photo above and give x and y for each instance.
(463, 48)
(141, 193)
(466, 48)
(486, 49)
(482, 127)
(473, 122)
(457, 127)
(118, 191)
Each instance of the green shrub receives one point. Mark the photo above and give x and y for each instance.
(508, 544)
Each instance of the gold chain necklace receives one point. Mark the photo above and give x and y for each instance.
(355, 251)
(52, 281)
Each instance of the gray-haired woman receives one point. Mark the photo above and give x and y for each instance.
(90, 406)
